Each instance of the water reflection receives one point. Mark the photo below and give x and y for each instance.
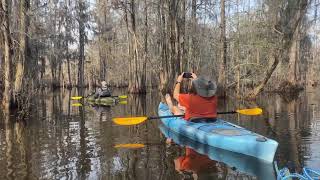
(64, 142)
(204, 161)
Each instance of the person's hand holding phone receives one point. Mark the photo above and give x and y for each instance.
(187, 75)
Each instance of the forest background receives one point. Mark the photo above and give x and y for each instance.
(246, 46)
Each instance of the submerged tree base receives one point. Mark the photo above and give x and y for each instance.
(289, 87)
(289, 91)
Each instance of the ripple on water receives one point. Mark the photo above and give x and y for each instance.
(311, 146)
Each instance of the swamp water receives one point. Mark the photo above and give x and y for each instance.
(61, 141)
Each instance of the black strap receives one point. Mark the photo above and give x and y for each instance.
(202, 120)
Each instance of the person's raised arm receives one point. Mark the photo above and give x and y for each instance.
(176, 90)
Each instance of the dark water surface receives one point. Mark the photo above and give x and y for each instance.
(65, 142)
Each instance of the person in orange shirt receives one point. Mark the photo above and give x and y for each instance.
(200, 103)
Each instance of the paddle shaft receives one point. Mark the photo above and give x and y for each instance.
(158, 117)
(170, 116)
(230, 112)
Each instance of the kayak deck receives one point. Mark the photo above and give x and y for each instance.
(222, 134)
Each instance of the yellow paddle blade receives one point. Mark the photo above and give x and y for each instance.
(76, 104)
(131, 146)
(129, 120)
(250, 112)
(123, 96)
(123, 102)
(76, 97)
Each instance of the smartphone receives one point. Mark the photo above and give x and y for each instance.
(187, 75)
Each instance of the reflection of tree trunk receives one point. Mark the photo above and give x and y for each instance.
(294, 138)
(132, 165)
(9, 142)
(20, 134)
(69, 103)
(84, 161)
(43, 106)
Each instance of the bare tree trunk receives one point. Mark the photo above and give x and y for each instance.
(23, 43)
(5, 30)
(128, 46)
(67, 34)
(174, 60)
(59, 45)
(136, 85)
(164, 73)
(30, 63)
(68, 64)
(293, 58)
(132, 52)
(193, 45)
(102, 58)
(223, 50)
(81, 44)
(183, 61)
(144, 69)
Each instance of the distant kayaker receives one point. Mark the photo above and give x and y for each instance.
(200, 103)
(103, 91)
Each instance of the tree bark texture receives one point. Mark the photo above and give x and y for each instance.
(81, 44)
(5, 30)
(21, 64)
(144, 69)
(137, 83)
(193, 45)
(223, 49)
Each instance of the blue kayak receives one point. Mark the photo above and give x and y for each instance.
(222, 134)
(239, 162)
